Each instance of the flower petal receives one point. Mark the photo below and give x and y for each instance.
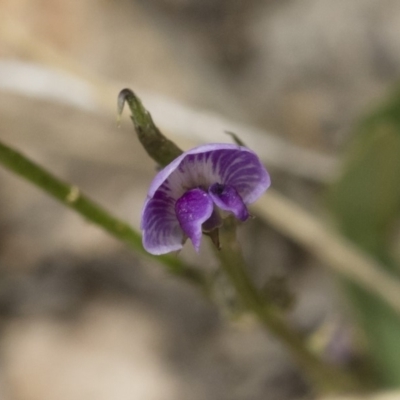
(244, 171)
(192, 209)
(198, 169)
(209, 163)
(227, 198)
(214, 163)
(161, 230)
(164, 174)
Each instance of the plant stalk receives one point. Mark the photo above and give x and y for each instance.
(72, 197)
(324, 377)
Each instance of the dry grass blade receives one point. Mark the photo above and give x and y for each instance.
(333, 250)
(188, 123)
(394, 395)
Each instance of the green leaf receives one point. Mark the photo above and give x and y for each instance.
(366, 203)
(158, 147)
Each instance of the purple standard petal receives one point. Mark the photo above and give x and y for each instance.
(227, 198)
(214, 163)
(161, 230)
(192, 210)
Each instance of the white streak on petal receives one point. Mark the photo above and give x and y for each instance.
(161, 230)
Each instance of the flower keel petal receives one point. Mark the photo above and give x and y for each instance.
(192, 210)
(227, 198)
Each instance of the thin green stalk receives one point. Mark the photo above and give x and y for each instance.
(326, 378)
(72, 197)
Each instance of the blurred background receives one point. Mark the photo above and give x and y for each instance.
(81, 316)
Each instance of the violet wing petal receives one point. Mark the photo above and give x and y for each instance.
(161, 230)
(192, 210)
(227, 198)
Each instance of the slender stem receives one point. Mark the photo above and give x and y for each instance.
(324, 377)
(72, 197)
(231, 259)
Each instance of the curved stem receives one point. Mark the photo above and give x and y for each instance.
(72, 197)
(323, 376)
(326, 378)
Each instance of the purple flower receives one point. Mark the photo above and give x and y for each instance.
(194, 192)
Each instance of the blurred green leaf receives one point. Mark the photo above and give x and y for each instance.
(158, 147)
(366, 203)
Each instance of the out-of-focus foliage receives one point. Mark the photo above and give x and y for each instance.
(366, 203)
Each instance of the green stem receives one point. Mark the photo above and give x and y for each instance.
(322, 376)
(326, 378)
(72, 197)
